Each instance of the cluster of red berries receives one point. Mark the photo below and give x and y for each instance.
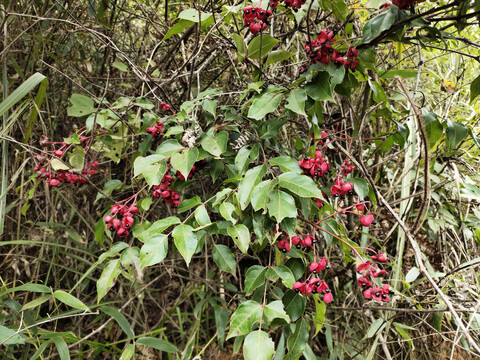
(294, 4)
(256, 18)
(165, 107)
(169, 196)
(299, 241)
(369, 272)
(365, 220)
(156, 129)
(313, 285)
(321, 50)
(125, 219)
(52, 177)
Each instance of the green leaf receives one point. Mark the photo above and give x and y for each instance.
(128, 352)
(168, 148)
(188, 204)
(226, 210)
(379, 24)
(6, 333)
(277, 56)
(242, 320)
(114, 250)
(245, 188)
(120, 66)
(254, 278)
(300, 185)
(224, 258)
(320, 310)
(374, 328)
(282, 272)
(258, 346)
(177, 28)
(275, 310)
(294, 304)
(201, 215)
(297, 341)
(210, 106)
(27, 287)
(62, 347)
(264, 105)
(143, 232)
(260, 195)
(150, 169)
(241, 236)
(81, 105)
(241, 49)
(286, 164)
(194, 15)
(475, 89)
(108, 188)
(70, 300)
(185, 241)
(360, 186)
(158, 344)
(296, 101)
(107, 278)
(217, 144)
(281, 205)
(36, 302)
(456, 132)
(20, 92)
(412, 275)
(154, 250)
(433, 127)
(184, 161)
(319, 88)
(120, 319)
(267, 42)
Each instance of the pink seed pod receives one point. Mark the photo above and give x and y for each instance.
(108, 219)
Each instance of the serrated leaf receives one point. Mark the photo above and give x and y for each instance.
(185, 241)
(70, 300)
(107, 278)
(275, 310)
(245, 188)
(296, 101)
(242, 320)
(224, 258)
(267, 42)
(153, 251)
(241, 236)
(254, 277)
(281, 205)
(264, 105)
(282, 272)
(300, 185)
(258, 346)
(158, 344)
(184, 161)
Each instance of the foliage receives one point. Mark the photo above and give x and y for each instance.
(273, 180)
